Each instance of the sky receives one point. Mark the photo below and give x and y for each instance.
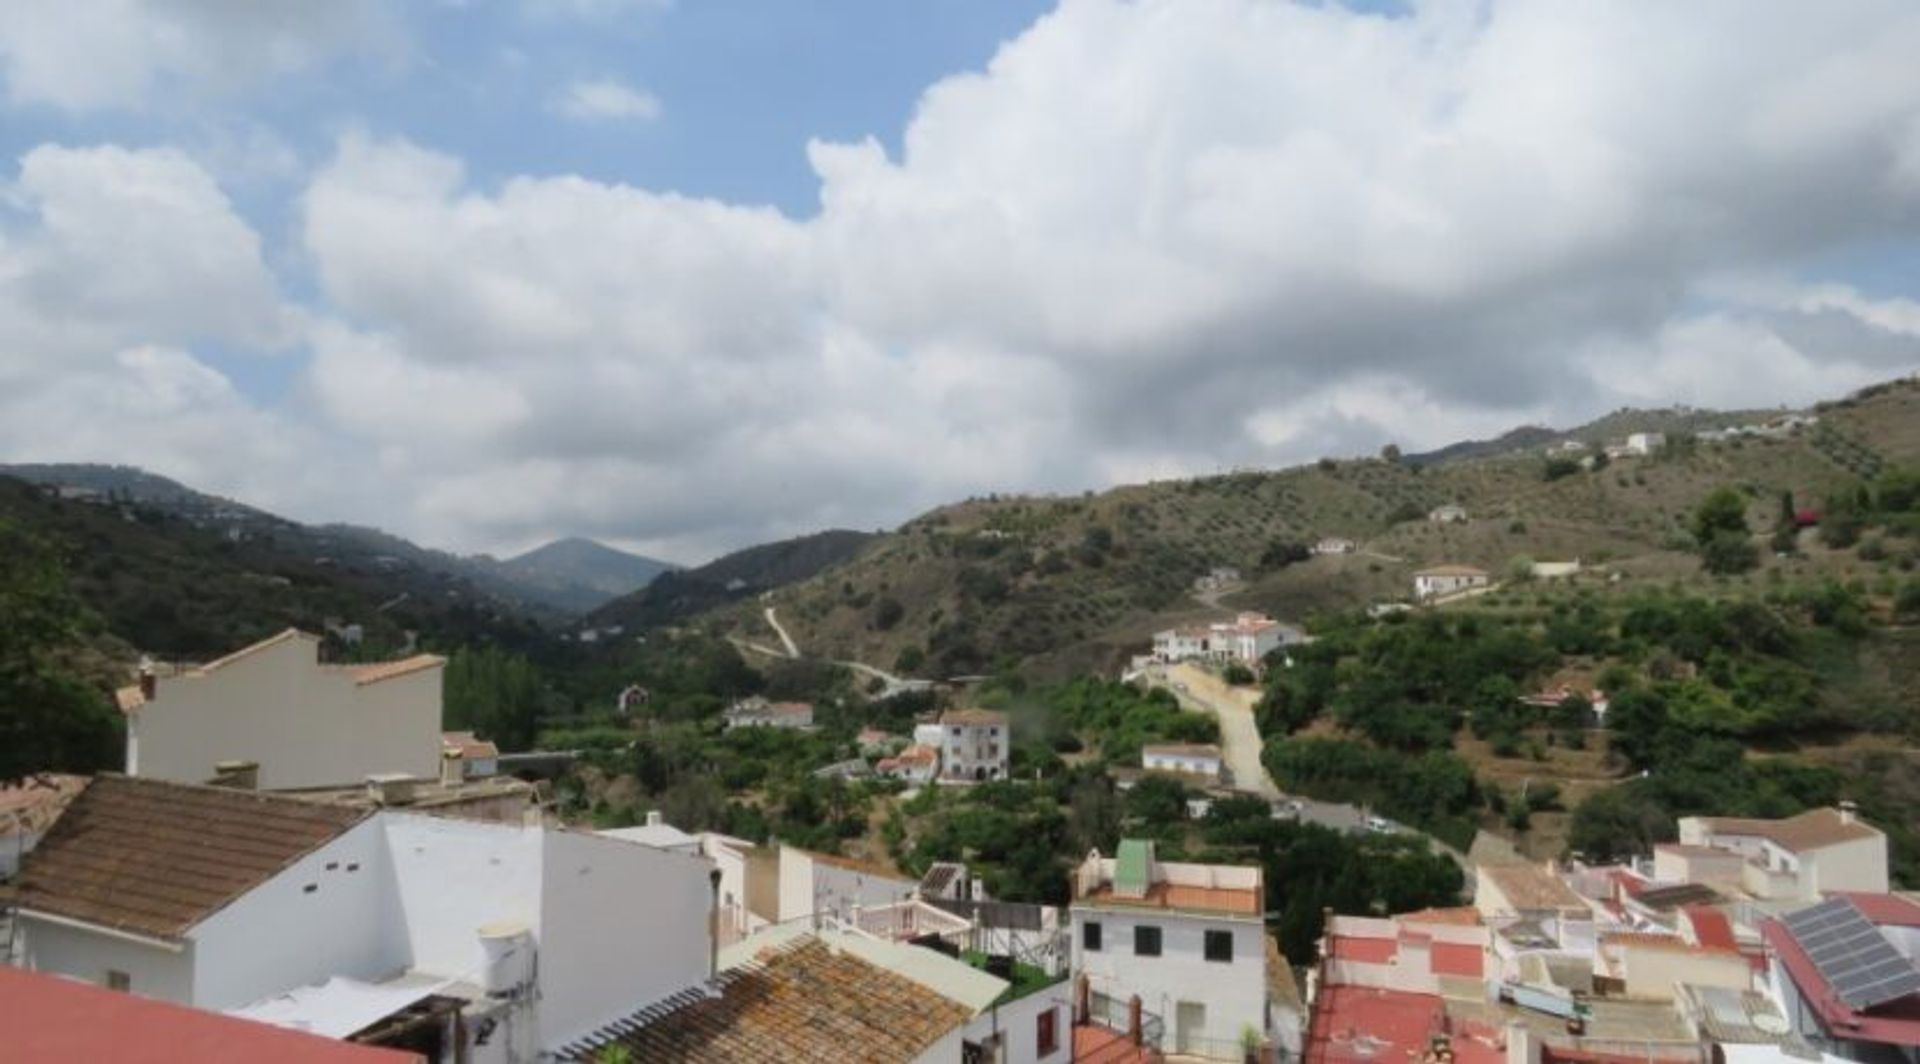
(688, 275)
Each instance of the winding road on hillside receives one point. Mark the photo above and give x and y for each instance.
(893, 685)
(1240, 747)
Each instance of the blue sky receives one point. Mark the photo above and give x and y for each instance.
(662, 271)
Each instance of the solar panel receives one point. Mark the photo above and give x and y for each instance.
(1852, 954)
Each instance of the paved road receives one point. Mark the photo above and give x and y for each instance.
(1241, 745)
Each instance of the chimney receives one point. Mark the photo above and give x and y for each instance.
(239, 775)
(390, 789)
(1848, 811)
(149, 683)
(453, 768)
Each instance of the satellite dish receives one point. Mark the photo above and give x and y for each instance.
(1772, 1024)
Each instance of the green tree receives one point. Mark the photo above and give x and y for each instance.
(1723, 511)
(496, 693)
(50, 719)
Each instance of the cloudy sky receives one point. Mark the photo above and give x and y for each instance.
(691, 274)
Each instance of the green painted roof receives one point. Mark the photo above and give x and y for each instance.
(1130, 867)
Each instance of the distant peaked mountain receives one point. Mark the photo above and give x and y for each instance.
(579, 574)
(678, 594)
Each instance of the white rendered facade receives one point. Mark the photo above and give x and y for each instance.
(974, 746)
(304, 724)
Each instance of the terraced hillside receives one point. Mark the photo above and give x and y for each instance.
(1074, 582)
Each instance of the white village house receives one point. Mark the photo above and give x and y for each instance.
(1798, 857)
(333, 918)
(974, 744)
(757, 712)
(1448, 514)
(1246, 639)
(302, 723)
(1200, 760)
(1187, 939)
(1448, 579)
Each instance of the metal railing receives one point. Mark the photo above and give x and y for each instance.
(1112, 1013)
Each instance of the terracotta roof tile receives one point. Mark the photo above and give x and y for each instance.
(469, 746)
(1229, 900)
(156, 858)
(388, 670)
(37, 801)
(803, 1003)
(1531, 887)
(1808, 831)
(974, 716)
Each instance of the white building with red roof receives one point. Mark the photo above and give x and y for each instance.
(1793, 858)
(1189, 940)
(1247, 639)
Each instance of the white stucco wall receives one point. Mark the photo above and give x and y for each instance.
(807, 885)
(1188, 763)
(621, 927)
(1234, 993)
(281, 935)
(1860, 864)
(453, 877)
(305, 725)
(88, 955)
(1018, 1024)
(945, 1051)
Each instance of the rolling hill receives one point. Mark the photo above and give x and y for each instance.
(677, 595)
(1068, 583)
(559, 580)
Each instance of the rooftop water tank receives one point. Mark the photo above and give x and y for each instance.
(508, 946)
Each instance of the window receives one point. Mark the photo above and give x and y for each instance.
(1146, 941)
(1220, 946)
(1046, 1033)
(1090, 936)
(118, 980)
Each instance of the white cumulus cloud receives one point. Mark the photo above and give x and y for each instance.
(606, 99)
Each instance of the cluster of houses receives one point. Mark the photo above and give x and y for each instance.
(229, 898)
(1746, 940)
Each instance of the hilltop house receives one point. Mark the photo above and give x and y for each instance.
(1334, 545)
(339, 920)
(1187, 939)
(757, 712)
(275, 706)
(1448, 514)
(1797, 857)
(1448, 580)
(1246, 639)
(975, 745)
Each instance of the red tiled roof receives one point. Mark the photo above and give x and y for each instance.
(55, 1019)
(1886, 910)
(1457, 916)
(469, 746)
(1387, 1026)
(1229, 900)
(802, 1003)
(1711, 928)
(37, 801)
(982, 717)
(156, 858)
(1810, 830)
(388, 670)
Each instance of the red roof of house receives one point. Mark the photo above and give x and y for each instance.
(1362, 1023)
(1457, 958)
(54, 1019)
(1443, 958)
(1895, 1023)
(1711, 928)
(1886, 910)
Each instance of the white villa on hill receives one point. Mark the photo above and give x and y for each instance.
(1247, 639)
(1447, 580)
(275, 706)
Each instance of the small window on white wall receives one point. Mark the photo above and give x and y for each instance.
(118, 980)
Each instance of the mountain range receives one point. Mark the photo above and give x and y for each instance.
(562, 578)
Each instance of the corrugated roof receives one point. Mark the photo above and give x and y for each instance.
(804, 1003)
(54, 1019)
(156, 858)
